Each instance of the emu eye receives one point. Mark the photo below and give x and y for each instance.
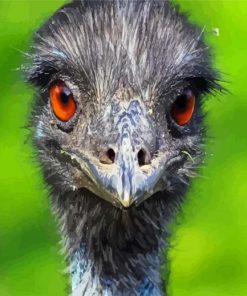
(182, 109)
(62, 101)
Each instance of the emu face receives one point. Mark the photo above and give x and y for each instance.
(119, 98)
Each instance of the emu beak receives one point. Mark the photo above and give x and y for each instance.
(132, 182)
(125, 181)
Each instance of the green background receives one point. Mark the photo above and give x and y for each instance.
(209, 250)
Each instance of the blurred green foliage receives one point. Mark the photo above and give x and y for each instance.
(209, 250)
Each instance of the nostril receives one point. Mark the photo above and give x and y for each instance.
(111, 155)
(107, 157)
(143, 157)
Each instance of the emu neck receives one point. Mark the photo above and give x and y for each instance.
(114, 252)
(129, 274)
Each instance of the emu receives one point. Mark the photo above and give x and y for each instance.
(118, 127)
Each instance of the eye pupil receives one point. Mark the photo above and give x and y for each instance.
(181, 102)
(64, 98)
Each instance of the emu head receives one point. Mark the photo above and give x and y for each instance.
(119, 99)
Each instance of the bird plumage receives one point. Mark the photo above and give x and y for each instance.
(125, 62)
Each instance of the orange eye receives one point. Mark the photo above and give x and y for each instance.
(183, 107)
(62, 101)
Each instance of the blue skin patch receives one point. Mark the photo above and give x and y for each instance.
(79, 266)
(146, 288)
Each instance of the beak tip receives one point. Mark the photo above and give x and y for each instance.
(127, 202)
